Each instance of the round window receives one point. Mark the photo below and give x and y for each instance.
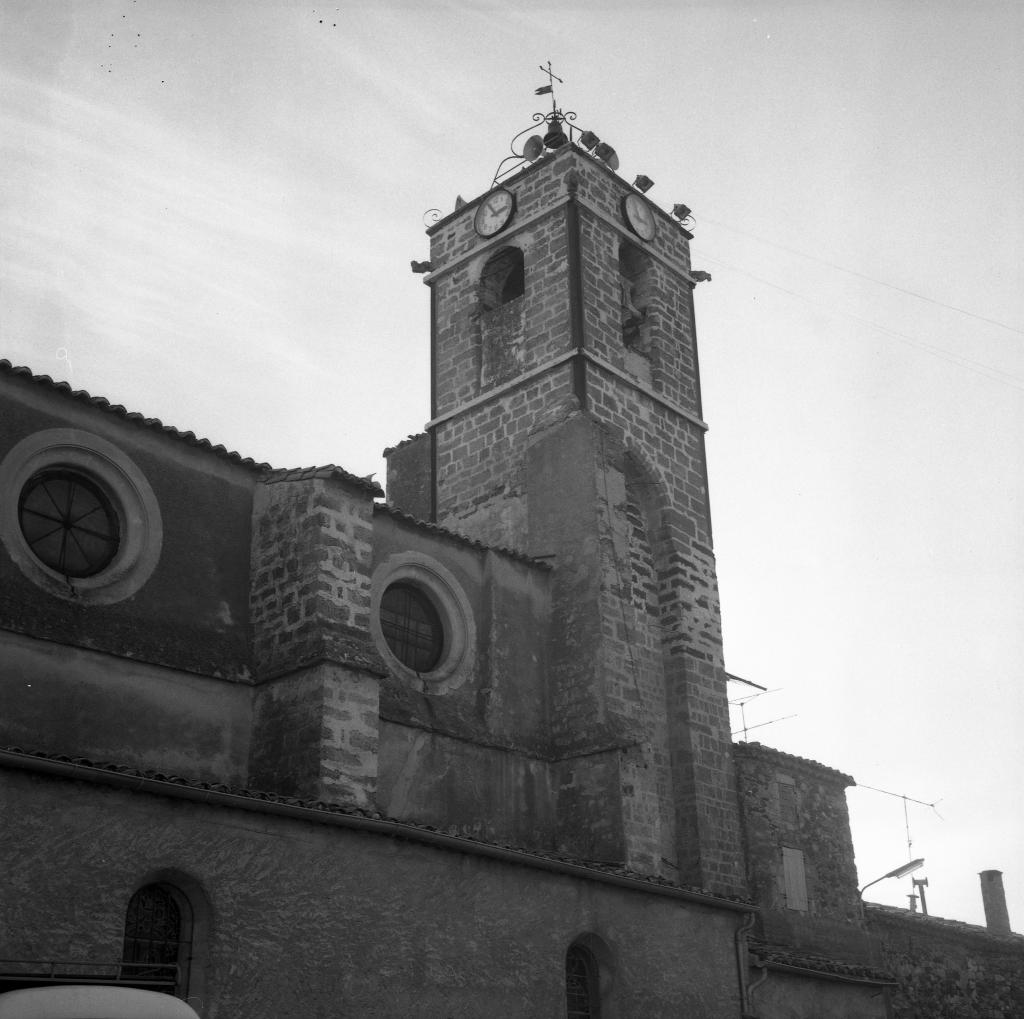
(68, 522)
(82, 522)
(422, 622)
(412, 627)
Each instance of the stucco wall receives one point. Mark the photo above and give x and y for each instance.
(192, 613)
(68, 700)
(786, 996)
(470, 754)
(306, 920)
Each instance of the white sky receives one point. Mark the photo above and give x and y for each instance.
(208, 209)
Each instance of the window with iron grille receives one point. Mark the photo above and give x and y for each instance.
(581, 984)
(158, 939)
(412, 627)
(68, 523)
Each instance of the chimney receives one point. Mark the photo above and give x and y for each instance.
(994, 899)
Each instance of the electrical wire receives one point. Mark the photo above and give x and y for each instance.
(864, 276)
(978, 367)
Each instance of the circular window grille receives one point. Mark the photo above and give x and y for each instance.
(69, 523)
(412, 627)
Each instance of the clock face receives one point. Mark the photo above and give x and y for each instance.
(640, 217)
(494, 212)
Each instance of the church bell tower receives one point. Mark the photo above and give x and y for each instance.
(566, 423)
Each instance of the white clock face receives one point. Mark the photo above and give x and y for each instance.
(494, 212)
(640, 217)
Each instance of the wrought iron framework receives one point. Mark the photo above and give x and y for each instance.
(69, 523)
(18, 973)
(582, 999)
(556, 119)
(158, 934)
(412, 627)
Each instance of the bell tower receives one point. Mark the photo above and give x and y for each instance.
(566, 422)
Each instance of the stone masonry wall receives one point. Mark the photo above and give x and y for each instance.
(316, 715)
(949, 970)
(311, 553)
(655, 415)
(409, 479)
(660, 425)
(630, 525)
(790, 802)
(480, 449)
(689, 626)
(480, 486)
(316, 735)
(668, 325)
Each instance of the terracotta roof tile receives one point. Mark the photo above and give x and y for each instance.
(788, 957)
(103, 404)
(405, 442)
(760, 750)
(329, 472)
(188, 437)
(875, 910)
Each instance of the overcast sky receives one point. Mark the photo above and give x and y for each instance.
(208, 211)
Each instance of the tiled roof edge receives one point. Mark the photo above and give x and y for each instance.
(101, 403)
(405, 442)
(444, 532)
(154, 424)
(779, 957)
(329, 472)
(211, 792)
(760, 750)
(898, 914)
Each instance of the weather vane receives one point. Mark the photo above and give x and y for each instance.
(549, 88)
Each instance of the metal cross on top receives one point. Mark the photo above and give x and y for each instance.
(549, 88)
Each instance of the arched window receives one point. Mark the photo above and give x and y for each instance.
(643, 522)
(499, 316)
(582, 988)
(158, 940)
(503, 279)
(634, 297)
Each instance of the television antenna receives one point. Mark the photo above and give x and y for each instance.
(741, 703)
(906, 813)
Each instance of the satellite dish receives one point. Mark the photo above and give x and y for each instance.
(533, 148)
